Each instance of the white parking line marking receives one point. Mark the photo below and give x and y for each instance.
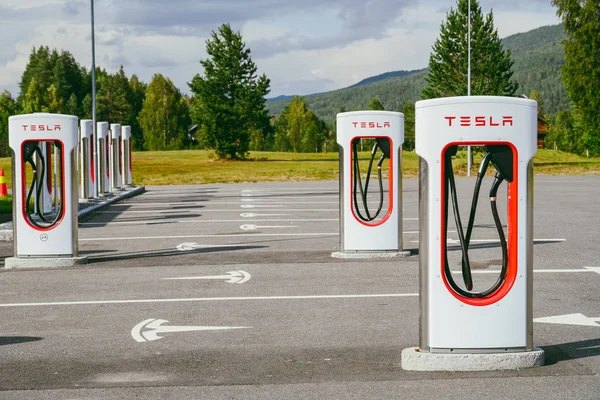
(203, 221)
(205, 236)
(200, 299)
(202, 203)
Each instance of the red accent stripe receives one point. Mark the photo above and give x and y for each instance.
(513, 231)
(390, 183)
(24, 190)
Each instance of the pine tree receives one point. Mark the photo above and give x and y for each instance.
(229, 101)
(491, 66)
(137, 95)
(72, 106)
(375, 104)
(112, 98)
(581, 71)
(409, 126)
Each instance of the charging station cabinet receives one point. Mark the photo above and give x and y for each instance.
(41, 237)
(88, 179)
(103, 158)
(376, 228)
(462, 327)
(126, 155)
(116, 177)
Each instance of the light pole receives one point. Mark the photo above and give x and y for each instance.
(469, 149)
(95, 139)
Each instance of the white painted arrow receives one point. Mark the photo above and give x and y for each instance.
(251, 227)
(252, 215)
(260, 205)
(569, 319)
(593, 269)
(231, 277)
(154, 327)
(189, 246)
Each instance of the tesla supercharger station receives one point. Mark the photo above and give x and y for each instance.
(88, 189)
(116, 177)
(103, 158)
(467, 323)
(370, 222)
(126, 155)
(42, 238)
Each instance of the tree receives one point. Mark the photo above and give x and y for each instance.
(491, 66)
(32, 101)
(581, 71)
(298, 129)
(112, 99)
(39, 68)
(164, 118)
(229, 101)
(7, 108)
(564, 134)
(137, 95)
(375, 104)
(409, 126)
(72, 107)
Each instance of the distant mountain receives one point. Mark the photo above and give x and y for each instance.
(385, 75)
(278, 98)
(538, 56)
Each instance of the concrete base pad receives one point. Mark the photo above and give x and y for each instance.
(370, 254)
(43, 262)
(414, 360)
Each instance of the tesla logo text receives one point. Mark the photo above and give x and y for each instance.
(371, 125)
(506, 120)
(35, 128)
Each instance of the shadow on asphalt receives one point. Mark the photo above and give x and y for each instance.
(571, 351)
(6, 340)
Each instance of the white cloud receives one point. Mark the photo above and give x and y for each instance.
(303, 46)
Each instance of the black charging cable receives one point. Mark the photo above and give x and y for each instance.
(31, 149)
(464, 240)
(358, 184)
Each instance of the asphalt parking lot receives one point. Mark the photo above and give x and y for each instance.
(230, 291)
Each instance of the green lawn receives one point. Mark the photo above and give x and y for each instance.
(199, 166)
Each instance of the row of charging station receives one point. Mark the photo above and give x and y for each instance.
(55, 163)
(105, 161)
(458, 317)
(462, 320)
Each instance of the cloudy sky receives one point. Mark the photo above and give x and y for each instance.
(304, 46)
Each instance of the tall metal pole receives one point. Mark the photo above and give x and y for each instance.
(469, 149)
(95, 145)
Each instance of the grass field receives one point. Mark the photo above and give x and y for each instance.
(199, 166)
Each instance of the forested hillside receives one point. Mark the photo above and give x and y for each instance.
(538, 56)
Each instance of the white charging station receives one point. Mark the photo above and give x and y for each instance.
(461, 329)
(116, 177)
(88, 189)
(363, 231)
(103, 158)
(126, 154)
(41, 238)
